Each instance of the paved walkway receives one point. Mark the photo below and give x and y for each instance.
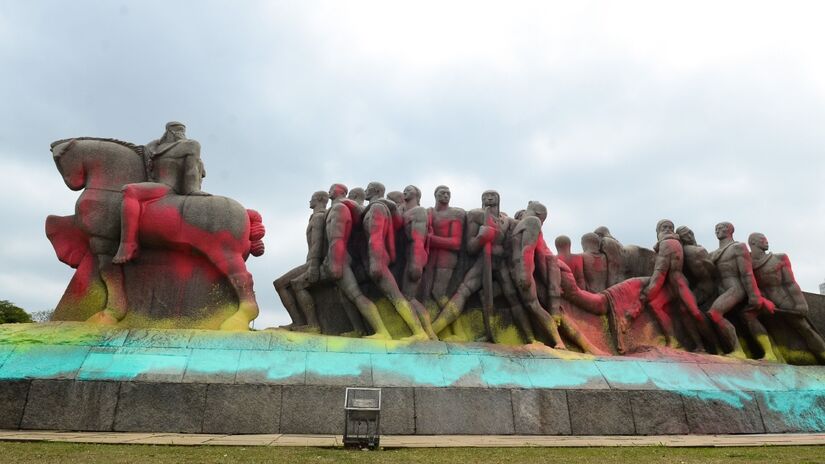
(416, 441)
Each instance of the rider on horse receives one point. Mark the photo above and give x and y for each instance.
(173, 165)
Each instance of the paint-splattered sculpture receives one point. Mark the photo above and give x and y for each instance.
(292, 286)
(486, 276)
(668, 277)
(486, 233)
(380, 221)
(776, 281)
(192, 269)
(737, 285)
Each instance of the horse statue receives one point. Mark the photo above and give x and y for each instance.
(215, 227)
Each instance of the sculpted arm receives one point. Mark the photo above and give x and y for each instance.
(660, 269)
(793, 288)
(316, 246)
(745, 267)
(453, 239)
(418, 230)
(338, 226)
(193, 171)
(475, 236)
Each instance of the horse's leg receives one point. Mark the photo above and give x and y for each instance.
(112, 276)
(231, 263)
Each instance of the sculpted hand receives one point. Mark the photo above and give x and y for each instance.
(768, 305)
(313, 274)
(486, 234)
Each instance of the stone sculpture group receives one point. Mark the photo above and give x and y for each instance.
(148, 242)
(429, 263)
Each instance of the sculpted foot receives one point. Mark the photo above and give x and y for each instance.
(738, 354)
(420, 337)
(126, 253)
(379, 336)
(353, 334)
(102, 318)
(236, 322)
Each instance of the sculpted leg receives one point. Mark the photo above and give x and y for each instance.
(353, 316)
(721, 306)
(133, 196)
(517, 310)
(283, 287)
(579, 339)
(695, 320)
(411, 287)
(450, 312)
(306, 303)
(349, 287)
(812, 339)
(384, 280)
(116, 305)
(759, 334)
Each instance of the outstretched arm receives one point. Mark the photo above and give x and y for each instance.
(745, 266)
(789, 283)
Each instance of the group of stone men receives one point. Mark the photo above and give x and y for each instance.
(411, 254)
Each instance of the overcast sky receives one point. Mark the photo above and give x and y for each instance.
(611, 113)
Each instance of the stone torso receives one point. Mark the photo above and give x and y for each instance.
(769, 276)
(725, 259)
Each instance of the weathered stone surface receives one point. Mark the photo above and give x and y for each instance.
(405, 370)
(540, 412)
(397, 411)
(445, 411)
(312, 409)
(135, 363)
(564, 374)
(600, 412)
(215, 340)
(278, 367)
(70, 405)
(212, 366)
(816, 306)
(346, 369)
(158, 338)
(723, 412)
(242, 409)
(12, 401)
(792, 411)
(44, 362)
(747, 377)
(658, 413)
(160, 407)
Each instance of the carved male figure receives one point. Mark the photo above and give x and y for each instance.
(357, 195)
(574, 262)
(415, 234)
(667, 276)
(340, 220)
(486, 232)
(292, 286)
(447, 228)
(173, 165)
(699, 268)
(380, 221)
(776, 281)
(613, 250)
(737, 285)
(594, 263)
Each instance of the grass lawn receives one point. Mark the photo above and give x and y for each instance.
(65, 453)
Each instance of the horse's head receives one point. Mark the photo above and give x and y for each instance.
(87, 162)
(70, 166)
